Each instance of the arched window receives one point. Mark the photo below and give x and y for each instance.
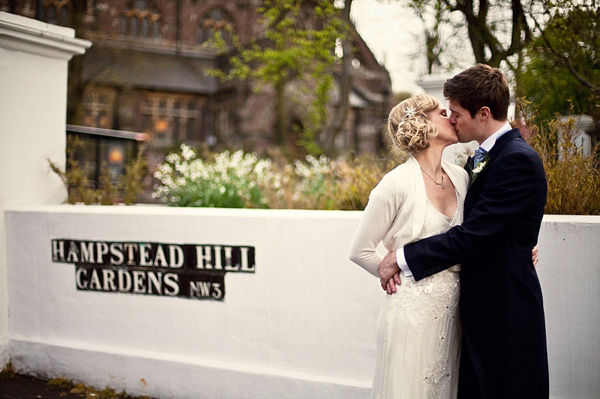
(56, 12)
(215, 20)
(141, 19)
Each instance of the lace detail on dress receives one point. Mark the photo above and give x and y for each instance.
(419, 331)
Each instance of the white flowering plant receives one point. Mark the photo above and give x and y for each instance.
(236, 180)
(316, 177)
(229, 181)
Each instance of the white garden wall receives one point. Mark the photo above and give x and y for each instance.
(33, 90)
(300, 325)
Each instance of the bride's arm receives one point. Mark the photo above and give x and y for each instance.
(377, 218)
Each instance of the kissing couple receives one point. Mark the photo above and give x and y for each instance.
(464, 314)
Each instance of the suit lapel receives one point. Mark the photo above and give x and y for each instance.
(475, 186)
(492, 154)
(502, 140)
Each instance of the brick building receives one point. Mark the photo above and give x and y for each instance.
(146, 72)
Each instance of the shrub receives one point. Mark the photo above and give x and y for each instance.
(81, 190)
(573, 177)
(228, 181)
(242, 180)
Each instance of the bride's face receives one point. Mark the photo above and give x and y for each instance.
(445, 131)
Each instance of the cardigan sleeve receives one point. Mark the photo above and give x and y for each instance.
(381, 210)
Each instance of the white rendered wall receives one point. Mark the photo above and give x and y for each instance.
(301, 326)
(33, 87)
(569, 271)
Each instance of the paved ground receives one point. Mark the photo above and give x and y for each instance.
(15, 386)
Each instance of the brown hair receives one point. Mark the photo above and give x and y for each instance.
(480, 86)
(408, 125)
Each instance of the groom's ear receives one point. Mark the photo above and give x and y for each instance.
(485, 113)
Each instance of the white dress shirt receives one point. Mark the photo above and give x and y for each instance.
(487, 146)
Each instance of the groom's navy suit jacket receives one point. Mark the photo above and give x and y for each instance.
(504, 339)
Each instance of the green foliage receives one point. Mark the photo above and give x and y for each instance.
(242, 180)
(564, 66)
(298, 48)
(226, 181)
(553, 90)
(132, 180)
(573, 177)
(80, 189)
(358, 176)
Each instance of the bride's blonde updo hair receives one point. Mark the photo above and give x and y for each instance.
(408, 125)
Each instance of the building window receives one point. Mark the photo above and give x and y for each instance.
(171, 118)
(214, 21)
(98, 108)
(141, 19)
(56, 12)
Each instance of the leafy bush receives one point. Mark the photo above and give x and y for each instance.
(573, 177)
(229, 181)
(242, 180)
(81, 190)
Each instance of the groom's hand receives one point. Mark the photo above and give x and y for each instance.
(389, 273)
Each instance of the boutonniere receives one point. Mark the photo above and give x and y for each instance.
(478, 168)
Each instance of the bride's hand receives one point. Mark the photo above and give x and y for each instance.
(534, 256)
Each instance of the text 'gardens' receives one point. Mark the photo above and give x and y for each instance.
(148, 268)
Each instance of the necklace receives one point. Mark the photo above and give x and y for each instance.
(440, 183)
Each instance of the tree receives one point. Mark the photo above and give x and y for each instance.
(497, 31)
(345, 83)
(564, 66)
(300, 48)
(434, 45)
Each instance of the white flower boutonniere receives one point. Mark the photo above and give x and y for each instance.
(478, 168)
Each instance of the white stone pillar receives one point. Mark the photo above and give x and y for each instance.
(581, 138)
(34, 60)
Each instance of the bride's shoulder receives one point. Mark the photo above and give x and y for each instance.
(396, 181)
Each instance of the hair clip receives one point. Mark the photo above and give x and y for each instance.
(410, 113)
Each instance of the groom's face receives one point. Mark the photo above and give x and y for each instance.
(465, 126)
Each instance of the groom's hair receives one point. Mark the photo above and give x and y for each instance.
(480, 86)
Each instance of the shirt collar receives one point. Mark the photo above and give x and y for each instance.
(490, 141)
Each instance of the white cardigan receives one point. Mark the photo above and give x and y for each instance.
(395, 213)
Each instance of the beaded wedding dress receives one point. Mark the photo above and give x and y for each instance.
(418, 330)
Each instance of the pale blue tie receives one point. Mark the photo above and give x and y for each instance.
(479, 155)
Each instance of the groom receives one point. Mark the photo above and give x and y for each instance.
(504, 339)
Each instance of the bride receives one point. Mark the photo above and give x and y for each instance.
(418, 329)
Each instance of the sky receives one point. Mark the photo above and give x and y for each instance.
(392, 33)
